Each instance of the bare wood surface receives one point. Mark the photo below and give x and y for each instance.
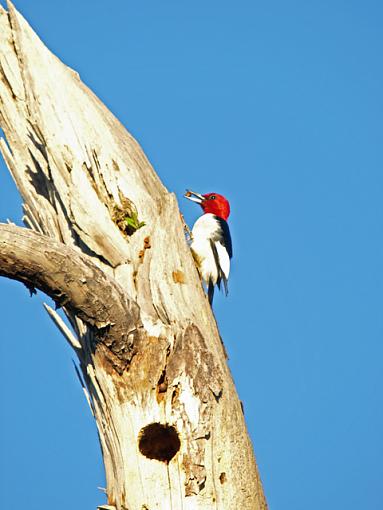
(171, 426)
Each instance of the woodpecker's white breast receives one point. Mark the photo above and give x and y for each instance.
(205, 229)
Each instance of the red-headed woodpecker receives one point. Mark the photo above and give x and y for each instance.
(211, 241)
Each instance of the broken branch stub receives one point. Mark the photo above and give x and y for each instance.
(73, 281)
(109, 248)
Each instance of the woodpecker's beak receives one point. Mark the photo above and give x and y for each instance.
(194, 197)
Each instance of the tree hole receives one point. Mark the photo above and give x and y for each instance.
(158, 441)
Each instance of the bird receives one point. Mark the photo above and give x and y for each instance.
(211, 241)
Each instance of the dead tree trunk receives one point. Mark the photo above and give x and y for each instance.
(106, 242)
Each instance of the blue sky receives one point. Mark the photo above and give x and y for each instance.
(279, 106)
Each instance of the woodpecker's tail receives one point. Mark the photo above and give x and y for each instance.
(225, 284)
(210, 292)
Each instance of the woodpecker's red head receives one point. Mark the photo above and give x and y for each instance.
(211, 203)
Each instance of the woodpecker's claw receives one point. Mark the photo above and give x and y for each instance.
(186, 227)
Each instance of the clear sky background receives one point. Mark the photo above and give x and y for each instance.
(278, 105)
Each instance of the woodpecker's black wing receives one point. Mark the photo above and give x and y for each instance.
(222, 236)
(221, 274)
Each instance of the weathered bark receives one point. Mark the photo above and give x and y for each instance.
(170, 423)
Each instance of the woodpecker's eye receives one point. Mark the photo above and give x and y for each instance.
(213, 197)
